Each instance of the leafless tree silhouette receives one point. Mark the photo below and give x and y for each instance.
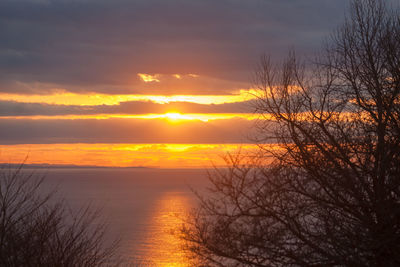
(331, 194)
(36, 229)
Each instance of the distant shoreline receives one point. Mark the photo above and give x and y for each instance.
(69, 166)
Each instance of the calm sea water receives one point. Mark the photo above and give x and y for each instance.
(141, 206)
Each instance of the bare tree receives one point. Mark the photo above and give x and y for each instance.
(331, 194)
(38, 230)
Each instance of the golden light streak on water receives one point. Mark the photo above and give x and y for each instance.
(162, 247)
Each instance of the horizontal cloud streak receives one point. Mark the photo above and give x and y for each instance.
(26, 131)
(12, 108)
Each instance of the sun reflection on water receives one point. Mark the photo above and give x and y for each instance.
(162, 248)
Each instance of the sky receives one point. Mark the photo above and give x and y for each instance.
(156, 83)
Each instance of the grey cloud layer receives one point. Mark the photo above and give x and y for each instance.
(11, 108)
(123, 131)
(101, 45)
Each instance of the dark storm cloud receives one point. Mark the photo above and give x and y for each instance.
(11, 108)
(123, 131)
(97, 45)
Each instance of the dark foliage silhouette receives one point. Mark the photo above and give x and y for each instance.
(36, 229)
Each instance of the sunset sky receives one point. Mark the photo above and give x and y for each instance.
(157, 83)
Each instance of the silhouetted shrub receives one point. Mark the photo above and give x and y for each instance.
(36, 229)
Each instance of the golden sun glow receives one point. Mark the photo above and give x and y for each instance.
(91, 99)
(173, 116)
(148, 77)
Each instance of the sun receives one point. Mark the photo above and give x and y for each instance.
(176, 116)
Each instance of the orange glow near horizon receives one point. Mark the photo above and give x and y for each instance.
(92, 99)
(170, 116)
(175, 116)
(123, 155)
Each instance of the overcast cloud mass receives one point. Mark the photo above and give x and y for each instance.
(98, 45)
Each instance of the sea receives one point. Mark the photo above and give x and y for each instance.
(143, 207)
